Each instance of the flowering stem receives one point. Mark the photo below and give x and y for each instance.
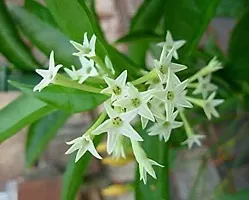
(192, 85)
(203, 72)
(100, 119)
(198, 102)
(101, 64)
(64, 81)
(152, 74)
(187, 126)
(164, 175)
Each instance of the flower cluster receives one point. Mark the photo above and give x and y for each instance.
(162, 101)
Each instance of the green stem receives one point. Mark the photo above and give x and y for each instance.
(198, 102)
(152, 74)
(101, 64)
(192, 85)
(186, 124)
(100, 119)
(66, 82)
(164, 157)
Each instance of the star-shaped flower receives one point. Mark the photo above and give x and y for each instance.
(119, 123)
(117, 88)
(82, 144)
(87, 70)
(164, 64)
(109, 65)
(145, 164)
(86, 49)
(210, 104)
(213, 65)
(193, 139)
(157, 108)
(204, 86)
(47, 75)
(164, 127)
(170, 43)
(137, 101)
(118, 150)
(174, 95)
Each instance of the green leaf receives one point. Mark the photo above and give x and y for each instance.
(19, 113)
(65, 12)
(231, 8)
(41, 11)
(187, 20)
(44, 36)
(155, 188)
(12, 46)
(140, 36)
(241, 195)
(73, 177)
(67, 99)
(41, 132)
(237, 69)
(146, 19)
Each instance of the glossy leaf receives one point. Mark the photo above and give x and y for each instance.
(12, 46)
(41, 132)
(19, 113)
(146, 19)
(237, 69)
(44, 36)
(140, 36)
(41, 11)
(231, 8)
(67, 99)
(187, 20)
(73, 177)
(84, 21)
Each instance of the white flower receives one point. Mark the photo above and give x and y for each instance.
(164, 127)
(193, 139)
(164, 64)
(117, 88)
(154, 84)
(119, 123)
(204, 86)
(170, 43)
(109, 65)
(82, 144)
(136, 101)
(87, 48)
(210, 104)
(174, 95)
(87, 70)
(157, 108)
(213, 65)
(47, 75)
(145, 164)
(118, 150)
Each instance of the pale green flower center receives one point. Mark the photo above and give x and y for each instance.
(117, 90)
(156, 80)
(87, 50)
(166, 124)
(164, 69)
(117, 122)
(88, 70)
(204, 86)
(170, 95)
(135, 102)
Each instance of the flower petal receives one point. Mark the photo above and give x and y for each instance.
(129, 132)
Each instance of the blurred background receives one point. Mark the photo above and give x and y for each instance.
(221, 164)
